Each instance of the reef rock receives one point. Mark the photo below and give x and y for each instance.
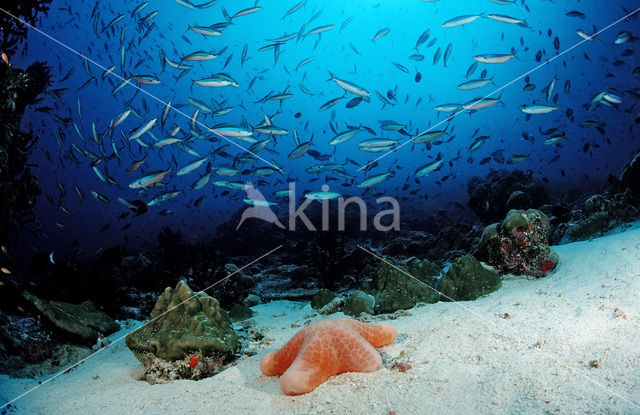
(185, 329)
(234, 289)
(395, 290)
(467, 280)
(359, 302)
(332, 306)
(18, 185)
(23, 340)
(240, 312)
(492, 197)
(80, 322)
(519, 244)
(599, 214)
(630, 177)
(322, 298)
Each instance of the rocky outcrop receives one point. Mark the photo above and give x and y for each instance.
(519, 244)
(492, 197)
(322, 298)
(599, 214)
(467, 280)
(83, 322)
(359, 302)
(18, 185)
(234, 288)
(630, 178)
(394, 288)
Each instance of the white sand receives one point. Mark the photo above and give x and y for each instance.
(464, 357)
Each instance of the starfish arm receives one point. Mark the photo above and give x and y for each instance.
(316, 361)
(276, 363)
(380, 334)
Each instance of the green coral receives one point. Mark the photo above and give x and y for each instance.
(359, 302)
(397, 290)
(522, 219)
(467, 280)
(489, 232)
(515, 219)
(183, 322)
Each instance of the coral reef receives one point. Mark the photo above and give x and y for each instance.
(80, 322)
(467, 280)
(359, 302)
(18, 185)
(23, 340)
(599, 214)
(492, 197)
(233, 288)
(519, 244)
(395, 290)
(559, 215)
(326, 348)
(440, 237)
(619, 203)
(184, 324)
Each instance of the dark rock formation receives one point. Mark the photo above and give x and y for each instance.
(322, 298)
(18, 185)
(440, 244)
(519, 244)
(23, 340)
(492, 197)
(234, 288)
(630, 178)
(619, 203)
(599, 214)
(467, 280)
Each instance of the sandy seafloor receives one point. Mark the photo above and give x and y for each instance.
(464, 357)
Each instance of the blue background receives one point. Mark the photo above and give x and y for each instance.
(70, 23)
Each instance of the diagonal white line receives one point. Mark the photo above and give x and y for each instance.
(128, 82)
(483, 319)
(132, 331)
(455, 114)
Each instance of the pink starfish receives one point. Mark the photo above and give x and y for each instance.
(324, 349)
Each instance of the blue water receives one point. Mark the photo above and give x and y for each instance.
(574, 167)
